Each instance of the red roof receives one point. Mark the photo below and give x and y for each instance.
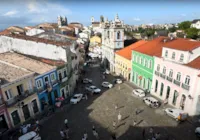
(183, 44)
(126, 52)
(195, 63)
(152, 48)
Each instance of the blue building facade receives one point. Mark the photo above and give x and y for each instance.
(47, 88)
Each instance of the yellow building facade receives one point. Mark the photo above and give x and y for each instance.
(95, 40)
(19, 93)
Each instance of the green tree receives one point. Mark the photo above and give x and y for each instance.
(184, 25)
(171, 30)
(149, 32)
(192, 33)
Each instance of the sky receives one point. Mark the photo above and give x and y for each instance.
(133, 12)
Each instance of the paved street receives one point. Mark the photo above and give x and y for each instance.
(99, 110)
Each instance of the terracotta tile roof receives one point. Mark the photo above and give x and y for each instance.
(5, 32)
(126, 52)
(183, 44)
(152, 48)
(195, 63)
(42, 40)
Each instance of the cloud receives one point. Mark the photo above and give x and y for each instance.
(183, 15)
(10, 13)
(137, 19)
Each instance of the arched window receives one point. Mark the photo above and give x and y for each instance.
(158, 67)
(150, 64)
(181, 57)
(171, 73)
(118, 35)
(166, 53)
(187, 80)
(164, 70)
(173, 55)
(146, 63)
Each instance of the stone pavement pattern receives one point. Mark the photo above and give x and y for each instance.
(99, 110)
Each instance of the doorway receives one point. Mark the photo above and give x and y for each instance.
(50, 99)
(3, 124)
(161, 89)
(156, 86)
(182, 104)
(20, 89)
(26, 112)
(168, 91)
(55, 94)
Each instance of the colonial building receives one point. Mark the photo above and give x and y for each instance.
(18, 92)
(46, 80)
(176, 74)
(123, 60)
(143, 62)
(112, 40)
(196, 23)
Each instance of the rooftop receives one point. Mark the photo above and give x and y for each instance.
(182, 44)
(9, 73)
(36, 39)
(152, 48)
(126, 52)
(26, 62)
(195, 63)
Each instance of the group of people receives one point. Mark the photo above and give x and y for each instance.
(64, 133)
(95, 134)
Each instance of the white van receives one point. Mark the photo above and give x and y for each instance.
(151, 102)
(177, 114)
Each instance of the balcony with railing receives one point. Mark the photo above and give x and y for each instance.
(186, 87)
(169, 79)
(178, 83)
(162, 75)
(19, 98)
(157, 73)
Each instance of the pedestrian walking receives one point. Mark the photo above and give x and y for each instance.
(143, 133)
(66, 132)
(119, 117)
(62, 134)
(157, 136)
(85, 135)
(114, 125)
(95, 133)
(116, 106)
(86, 97)
(66, 123)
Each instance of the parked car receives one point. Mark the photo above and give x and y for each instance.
(118, 81)
(107, 85)
(93, 89)
(87, 81)
(76, 98)
(197, 131)
(151, 102)
(106, 72)
(177, 114)
(139, 92)
(30, 136)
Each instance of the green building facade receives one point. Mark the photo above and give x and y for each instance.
(142, 70)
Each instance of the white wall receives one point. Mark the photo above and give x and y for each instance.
(32, 48)
(34, 31)
(196, 25)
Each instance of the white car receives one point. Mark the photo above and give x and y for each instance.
(93, 89)
(106, 72)
(139, 92)
(177, 114)
(76, 98)
(107, 85)
(30, 136)
(151, 102)
(118, 81)
(87, 81)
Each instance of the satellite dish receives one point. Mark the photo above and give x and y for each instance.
(72, 48)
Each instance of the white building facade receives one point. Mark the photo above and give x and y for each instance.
(112, 40)
(176, 78)
(196, 24)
